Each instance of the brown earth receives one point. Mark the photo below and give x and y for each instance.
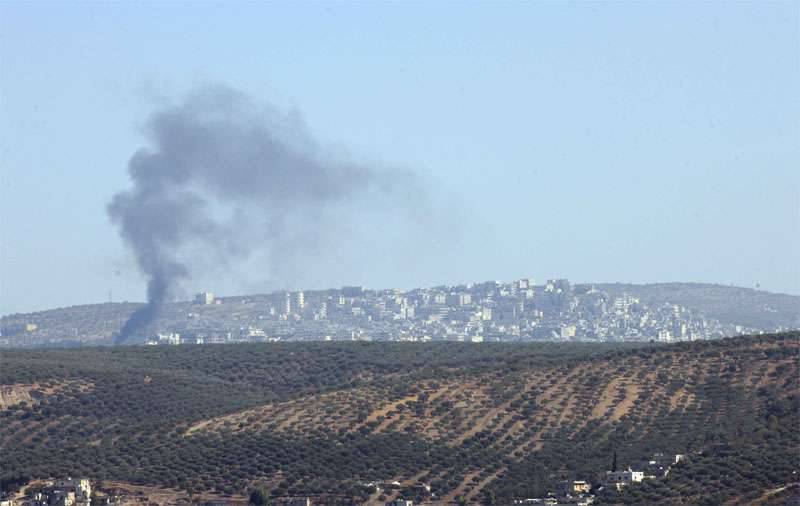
(11, 395)
(522, 411)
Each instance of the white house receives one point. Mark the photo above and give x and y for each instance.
(620, 479)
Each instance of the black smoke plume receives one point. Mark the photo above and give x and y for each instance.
(219, 164)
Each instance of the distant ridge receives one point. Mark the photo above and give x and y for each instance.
(728, 304)
(96, 323)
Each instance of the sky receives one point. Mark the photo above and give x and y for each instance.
(624, 141)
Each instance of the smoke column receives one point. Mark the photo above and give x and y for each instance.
(218, 164)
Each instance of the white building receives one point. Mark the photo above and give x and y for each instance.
(620, 479)
(459, 299)
(172, 338)
(204, 298)
(299, 300)
(287, 304)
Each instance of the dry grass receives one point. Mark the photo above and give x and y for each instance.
(11, 395)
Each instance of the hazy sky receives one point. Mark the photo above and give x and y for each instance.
(634, 142)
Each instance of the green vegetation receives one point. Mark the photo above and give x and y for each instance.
(483, 423)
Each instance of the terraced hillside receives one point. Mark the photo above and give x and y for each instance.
(475, 423)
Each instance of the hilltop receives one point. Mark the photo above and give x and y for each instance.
(491, 311)
(447, 422)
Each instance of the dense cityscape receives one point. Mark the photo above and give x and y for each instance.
(489, 311)
(481, 312)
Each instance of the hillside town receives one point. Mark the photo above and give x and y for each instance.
(481, 312)
(490, 311)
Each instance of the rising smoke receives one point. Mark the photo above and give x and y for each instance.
(220, 164)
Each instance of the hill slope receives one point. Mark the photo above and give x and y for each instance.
(486, 423)
(728, 304)
(96, 323)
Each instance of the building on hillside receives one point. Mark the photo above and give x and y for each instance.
(69, 492)
(659, 465)
(171, 338)
(459, 299)
(352, 291)
(19, 328)
(620, 479)
(205, 298)
(287, 304)
(666, 460)
(299, 301)
(252, 334)
(574, 488)
(568, 331)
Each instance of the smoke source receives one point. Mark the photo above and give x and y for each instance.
(218, 165)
